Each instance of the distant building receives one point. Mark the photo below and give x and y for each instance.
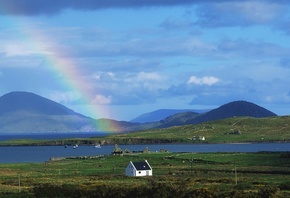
(117, 150)
(136, 169)
(202, 138)
(164, 150)
(146, 150)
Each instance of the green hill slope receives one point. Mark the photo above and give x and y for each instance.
(231, 130)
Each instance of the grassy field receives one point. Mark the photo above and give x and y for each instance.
(181, 174)
(220, 131)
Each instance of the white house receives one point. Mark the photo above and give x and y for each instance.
(136, 169)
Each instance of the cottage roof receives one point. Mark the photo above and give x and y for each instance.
(141, 165)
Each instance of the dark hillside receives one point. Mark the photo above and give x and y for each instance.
(161, 114)
(178, 119)
(29, 102)
(232, 109)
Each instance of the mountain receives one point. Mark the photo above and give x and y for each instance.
(24, 112)
(161, 114)
(14, 102)
(232, 109)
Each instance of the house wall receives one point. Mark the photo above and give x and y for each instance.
(131, 171)
(136, 173)
(144, 173)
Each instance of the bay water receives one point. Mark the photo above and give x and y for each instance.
(32, 154)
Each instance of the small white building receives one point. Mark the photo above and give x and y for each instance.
(136, 169)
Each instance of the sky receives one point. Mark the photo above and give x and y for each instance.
(119, 59)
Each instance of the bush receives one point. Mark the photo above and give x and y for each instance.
(269, 191)
(285, 186)
(242, 194)
(244, 186)
(16, 195)
(202, 193)
(50, 190)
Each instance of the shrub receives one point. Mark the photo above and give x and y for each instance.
(242, 194)
(202, 193)
(50, 190)
(244, 186)
(285, 186)
(268, 191)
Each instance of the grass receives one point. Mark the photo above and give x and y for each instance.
(211, 170)
(252, 130)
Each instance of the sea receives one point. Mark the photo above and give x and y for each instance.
(40, 154)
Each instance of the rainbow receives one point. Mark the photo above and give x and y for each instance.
(73, 77)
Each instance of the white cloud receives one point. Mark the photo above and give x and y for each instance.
(127, 87)
(148, 76)
(97, 76)
(64, 97)
(255, 11)
(240, 13)
(146, 81)
(17, 50)
(206, 80)
(278, 98)
(142, 77)
(102, 100)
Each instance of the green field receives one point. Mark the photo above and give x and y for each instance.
(174, 175)
(273, 129)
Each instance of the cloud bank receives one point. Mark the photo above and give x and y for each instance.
(35, 7)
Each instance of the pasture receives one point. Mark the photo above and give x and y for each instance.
(182, 174)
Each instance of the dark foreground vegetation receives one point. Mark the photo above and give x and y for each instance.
(263, 174)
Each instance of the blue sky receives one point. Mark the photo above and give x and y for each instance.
(134, 57)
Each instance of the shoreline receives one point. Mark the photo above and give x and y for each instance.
(92, 142)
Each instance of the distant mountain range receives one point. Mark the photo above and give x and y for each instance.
(232, 109)
(24, 112)
(161, 114)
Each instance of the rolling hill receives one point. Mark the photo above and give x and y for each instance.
(233, 109)
(268, 129)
